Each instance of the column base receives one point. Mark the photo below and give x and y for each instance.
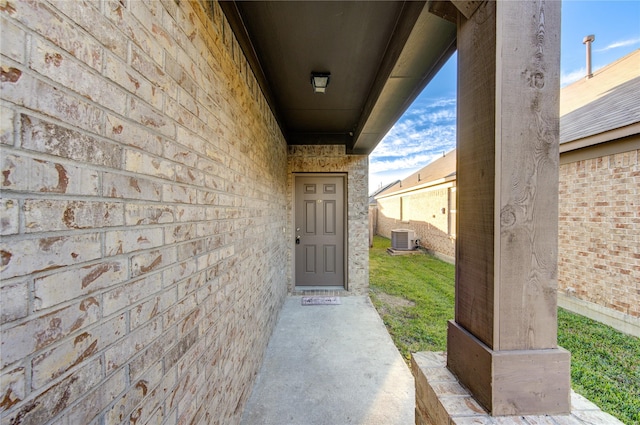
(514, 382)
(441, 400)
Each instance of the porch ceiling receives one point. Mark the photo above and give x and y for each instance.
(380, 55)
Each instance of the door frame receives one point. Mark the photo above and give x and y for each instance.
(345, 236)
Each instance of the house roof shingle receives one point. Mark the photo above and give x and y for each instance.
(372, 197)
(607, 101)
(440, 170)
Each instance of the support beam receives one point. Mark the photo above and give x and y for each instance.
(503, 342)
(467, 7)
(444, 9)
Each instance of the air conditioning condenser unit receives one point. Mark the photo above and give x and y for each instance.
(403, 239)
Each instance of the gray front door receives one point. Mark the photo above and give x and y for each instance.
(319, 230)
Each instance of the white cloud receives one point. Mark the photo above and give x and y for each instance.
(617, 44)
(420, 136)
(405, 146)
(408, 162)
(444, 102)
(567, 78)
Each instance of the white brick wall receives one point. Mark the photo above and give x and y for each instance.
(144, 195)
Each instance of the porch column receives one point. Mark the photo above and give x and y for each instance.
(503, 342)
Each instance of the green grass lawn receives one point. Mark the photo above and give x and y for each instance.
(414, 295)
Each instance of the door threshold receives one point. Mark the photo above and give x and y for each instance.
(303, 289)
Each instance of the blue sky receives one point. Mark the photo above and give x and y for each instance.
(427, 129)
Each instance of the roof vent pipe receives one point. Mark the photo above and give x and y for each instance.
(588, 40)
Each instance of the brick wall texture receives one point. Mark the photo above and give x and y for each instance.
(599, 228)
(599, 234)
(420, 211)
(144, 208)
(333, 159)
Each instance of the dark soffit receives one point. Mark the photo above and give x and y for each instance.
(380, 55)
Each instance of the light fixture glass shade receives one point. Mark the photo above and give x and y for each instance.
(320, 81)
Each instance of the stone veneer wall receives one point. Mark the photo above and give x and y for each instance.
(333, 159)
(599, 236)
(421, 212)
(144, 203)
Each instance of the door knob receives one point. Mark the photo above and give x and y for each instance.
(297, 240)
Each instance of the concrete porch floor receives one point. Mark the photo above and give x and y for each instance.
(334, 365)
(337, 365)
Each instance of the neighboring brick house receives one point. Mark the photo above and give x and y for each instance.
(373, 210)
(425, 203)
(599, 211)
(599, 222)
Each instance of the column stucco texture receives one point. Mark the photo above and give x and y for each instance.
(333, 159)
(144, 208)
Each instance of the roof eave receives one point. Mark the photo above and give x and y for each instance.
(435, 39)
(606, 136)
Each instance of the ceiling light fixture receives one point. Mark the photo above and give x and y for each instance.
(320, 81)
